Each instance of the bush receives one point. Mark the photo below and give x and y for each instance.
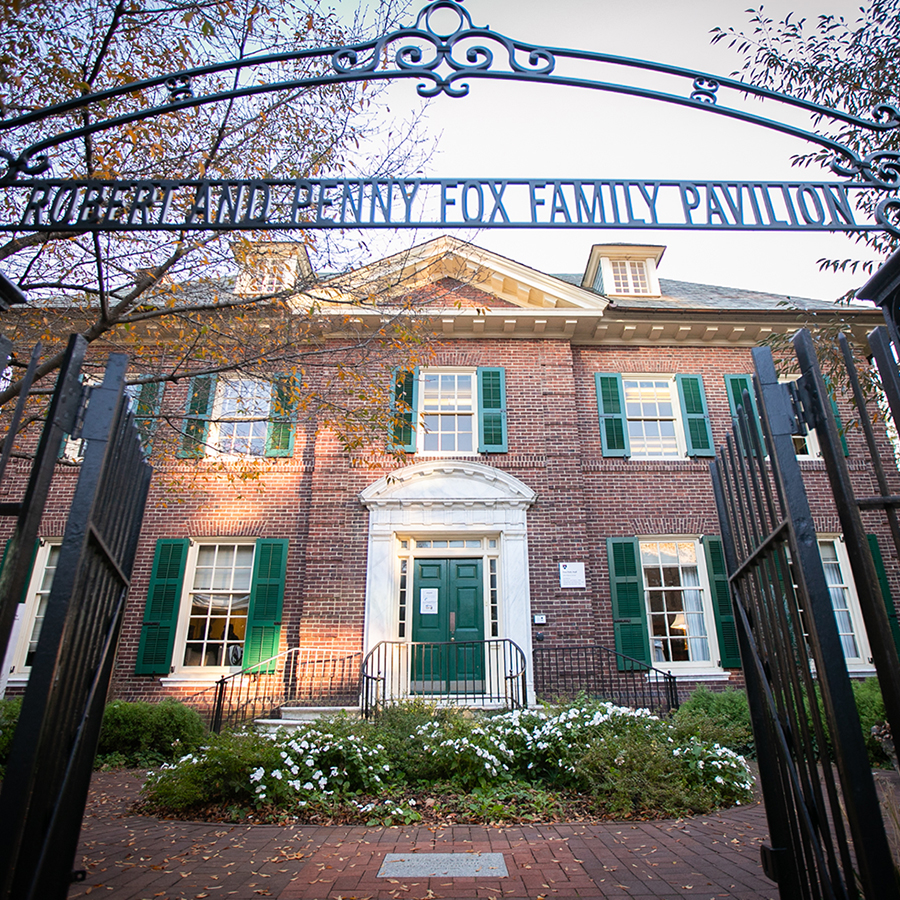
(870, 705)
(724, 717)
(9, 716)
(147, 734)
(628, 761)
(717, 717)
(286, 769)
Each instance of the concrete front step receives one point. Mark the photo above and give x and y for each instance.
(294, 716)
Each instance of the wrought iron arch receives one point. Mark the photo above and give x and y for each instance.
(444, 57)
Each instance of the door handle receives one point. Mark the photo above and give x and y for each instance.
(452, 623)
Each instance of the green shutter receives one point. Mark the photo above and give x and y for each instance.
(491, 410)
(201, 395)
(695, 416)
(729, 650)
(735, 386)
(282, 416)
(145, 405)
(161, 610)
(837, 416)
(885, 589)
(404, 399)
(611, 410)
(266, 601)
(628, 608)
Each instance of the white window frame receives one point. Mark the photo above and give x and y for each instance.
(267, 276)
(218, 416)
(680, 439)
(14, 668)
(181, 671)
(605, 280)
(684, 668)
(811, 439)
(863, 663)
(421, 412)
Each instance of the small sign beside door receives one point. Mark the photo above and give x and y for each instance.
(428, 601)
(571, 575)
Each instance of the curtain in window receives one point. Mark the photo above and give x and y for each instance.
(693, 613)
(839, 603)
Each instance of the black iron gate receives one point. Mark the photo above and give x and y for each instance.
(826, 828)
(51, 758)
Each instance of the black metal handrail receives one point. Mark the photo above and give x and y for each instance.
(565, 672)
(311, 676)
(465, 673)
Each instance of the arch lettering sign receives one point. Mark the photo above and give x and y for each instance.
(445, 58)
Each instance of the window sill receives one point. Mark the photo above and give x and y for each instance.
(210, 676)
(696, 674)
(861, 670)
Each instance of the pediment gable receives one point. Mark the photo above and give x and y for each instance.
(502, 282)
(441, 482)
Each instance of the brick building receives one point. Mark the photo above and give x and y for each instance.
(555, 489)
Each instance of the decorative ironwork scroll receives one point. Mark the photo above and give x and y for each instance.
(444, 52)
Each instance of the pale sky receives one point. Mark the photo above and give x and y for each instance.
(542, 131)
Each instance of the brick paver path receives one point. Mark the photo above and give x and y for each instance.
(139, 858)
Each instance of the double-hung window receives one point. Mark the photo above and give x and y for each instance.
(213, 604)
(844, 602)
(218, 599)
(32, 609)
(670, 603)
(145, 401)
(806, 445)
(653, 416)
(450, 412)
(240, 416)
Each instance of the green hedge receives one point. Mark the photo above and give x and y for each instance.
(144, 734)
(725, 717)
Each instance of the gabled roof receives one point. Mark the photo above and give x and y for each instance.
(689, 295)
(445, 274)
(449, 257)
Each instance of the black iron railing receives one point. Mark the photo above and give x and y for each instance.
(565, 672)
(307, 676)
(463, 673)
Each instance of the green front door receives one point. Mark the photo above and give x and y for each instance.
(448, 609)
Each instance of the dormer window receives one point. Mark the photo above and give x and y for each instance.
(623, 270)
(267, 277)
(629, 276)
(270, 267)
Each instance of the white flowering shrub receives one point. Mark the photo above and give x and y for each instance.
(468, 756)
(549, 746)
(627, 762)
(287, 769)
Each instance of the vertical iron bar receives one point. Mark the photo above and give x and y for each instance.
(876, 870)
(884, 651)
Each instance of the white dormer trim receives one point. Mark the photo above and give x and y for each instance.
(268, 267)
(599, 275)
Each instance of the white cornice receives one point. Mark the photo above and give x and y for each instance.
(639, 328)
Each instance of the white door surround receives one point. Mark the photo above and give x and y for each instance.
(448, 498)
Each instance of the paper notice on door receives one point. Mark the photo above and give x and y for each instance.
(428, 601)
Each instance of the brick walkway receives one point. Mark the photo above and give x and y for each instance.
(139, 858)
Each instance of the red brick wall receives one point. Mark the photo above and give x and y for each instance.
(554, 448)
